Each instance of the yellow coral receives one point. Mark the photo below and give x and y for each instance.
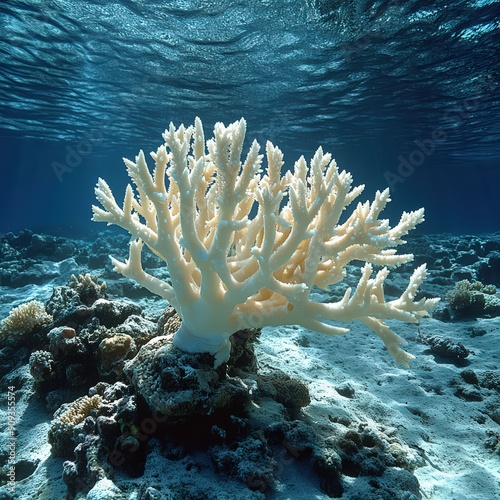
(79, 410)
(61, 429)
(112, 353)
(21, 321)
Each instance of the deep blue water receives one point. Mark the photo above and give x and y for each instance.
(403, 93)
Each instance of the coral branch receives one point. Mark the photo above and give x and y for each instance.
(244, 245)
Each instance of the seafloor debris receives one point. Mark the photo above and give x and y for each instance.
(443, 347)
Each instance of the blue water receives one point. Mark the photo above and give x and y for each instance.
(403, 93)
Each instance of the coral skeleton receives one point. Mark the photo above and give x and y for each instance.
(244, 245)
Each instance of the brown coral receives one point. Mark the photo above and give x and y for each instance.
(113, 352)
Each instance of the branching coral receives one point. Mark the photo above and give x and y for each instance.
(65, 420)
(473, 299)
(244, 246)
(21, 321)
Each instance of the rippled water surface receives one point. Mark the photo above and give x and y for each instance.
(375, 75)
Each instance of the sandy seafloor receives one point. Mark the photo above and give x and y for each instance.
(447, 427)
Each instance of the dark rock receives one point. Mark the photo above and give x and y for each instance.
(490, 379)
(24, 468)
(113, 313)
(489, 273)
(470, 376)
(283, 389)
(250, 460)
(468, 393)
(467, 258)
(346, 390)
(180, 384)
(328, 465)
(445, 348)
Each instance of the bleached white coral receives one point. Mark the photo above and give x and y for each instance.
(244, 246)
